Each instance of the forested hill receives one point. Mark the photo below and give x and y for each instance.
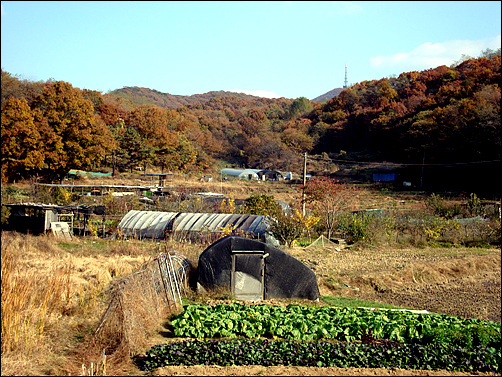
(446, 119)
(145, 96)
(327, 96)
(443, 124)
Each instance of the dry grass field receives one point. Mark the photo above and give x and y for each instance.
(55, 292)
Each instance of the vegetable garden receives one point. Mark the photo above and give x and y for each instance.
(296, 335)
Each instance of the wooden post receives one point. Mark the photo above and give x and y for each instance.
(304, 182)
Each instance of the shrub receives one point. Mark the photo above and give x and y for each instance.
(354, 226)
(474, 206)
(439, 207)
(287, 228)
(261, 204)
(329, 197)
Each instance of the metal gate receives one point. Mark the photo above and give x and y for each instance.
(248, 274)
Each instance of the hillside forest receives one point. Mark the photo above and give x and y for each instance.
(445, 121)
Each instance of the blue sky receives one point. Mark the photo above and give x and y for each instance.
(272, 49)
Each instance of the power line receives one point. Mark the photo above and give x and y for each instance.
(321, 158)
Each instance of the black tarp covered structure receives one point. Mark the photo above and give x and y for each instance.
(255, 270)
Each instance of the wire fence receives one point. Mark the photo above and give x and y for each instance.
(139, 302)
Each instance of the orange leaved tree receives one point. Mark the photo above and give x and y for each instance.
(21, 142)
(328, 197)
(74, 136)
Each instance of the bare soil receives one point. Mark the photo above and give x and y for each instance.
(257, 370)
(458, 282)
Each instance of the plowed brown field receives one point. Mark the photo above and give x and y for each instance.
(458, 282)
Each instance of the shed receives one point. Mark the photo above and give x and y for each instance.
(254, 270)
(291, 176)
(270, 175)
(187, 226)
(384, 177)
(163, 177)
(36, 218)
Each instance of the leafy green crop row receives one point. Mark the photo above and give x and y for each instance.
(344, 324)
(321, 354)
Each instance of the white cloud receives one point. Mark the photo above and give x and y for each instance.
(431, 55)
(257, 93)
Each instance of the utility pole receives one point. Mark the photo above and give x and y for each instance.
(422, 176)
(304, 181)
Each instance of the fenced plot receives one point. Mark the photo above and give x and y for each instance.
(138, 303)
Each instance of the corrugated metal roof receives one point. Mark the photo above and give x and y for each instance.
(154, 224)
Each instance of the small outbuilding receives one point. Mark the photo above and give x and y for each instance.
(34, 218)
(270, 175)
(38, 218)
(254, 270)
(384, 176)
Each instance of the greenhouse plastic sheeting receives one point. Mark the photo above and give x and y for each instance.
(145, 224)
(156, 224)
(284, 275)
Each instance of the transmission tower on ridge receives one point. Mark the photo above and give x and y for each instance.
(345, 83)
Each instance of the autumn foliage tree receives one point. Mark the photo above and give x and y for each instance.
(154, 125)
(450, 113)
(74, 136)
(183, 156)
(328, 197)
(22, 144)
(163, 131)
(13, 86)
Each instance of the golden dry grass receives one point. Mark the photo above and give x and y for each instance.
(51, 300)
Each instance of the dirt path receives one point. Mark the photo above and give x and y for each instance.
(257, 370)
